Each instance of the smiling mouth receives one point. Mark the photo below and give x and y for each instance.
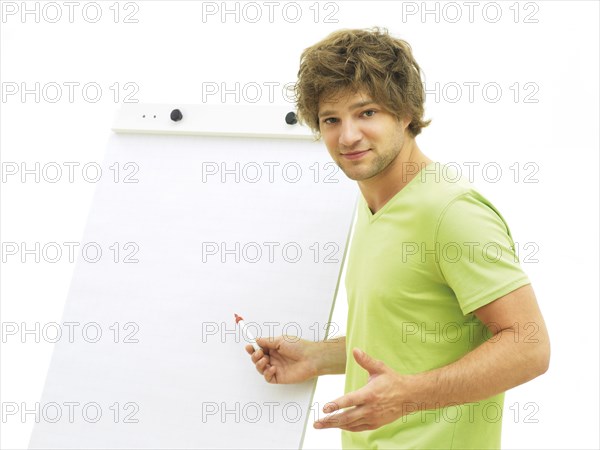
(355, 155)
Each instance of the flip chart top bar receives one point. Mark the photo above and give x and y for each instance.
(258, 121)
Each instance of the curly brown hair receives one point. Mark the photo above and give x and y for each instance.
(369, 60)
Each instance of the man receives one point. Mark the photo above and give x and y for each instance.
(441, 318)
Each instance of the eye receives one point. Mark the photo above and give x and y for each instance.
(369, 112)
(330, 120)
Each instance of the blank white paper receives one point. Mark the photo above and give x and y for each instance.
(178, 375)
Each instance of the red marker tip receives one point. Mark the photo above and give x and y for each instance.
(238, 318)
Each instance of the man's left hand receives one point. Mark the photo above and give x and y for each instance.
(377, 403)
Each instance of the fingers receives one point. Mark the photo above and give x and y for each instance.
(332, 421)
(372, 365)
(261, 357)
(270, 374)
(250, 349)
(350, 420)
(261, 362)
(350, 399)
(268, 343)
(255, 354)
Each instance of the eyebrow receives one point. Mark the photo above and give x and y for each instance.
(360, 104)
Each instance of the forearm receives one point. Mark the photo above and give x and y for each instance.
(501, 363)
(331, 354)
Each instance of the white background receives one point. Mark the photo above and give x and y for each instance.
(175, 53)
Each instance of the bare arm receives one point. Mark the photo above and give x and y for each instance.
(518, 351)
(287, 359)
(331, 354)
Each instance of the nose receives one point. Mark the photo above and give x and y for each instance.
(350, 133)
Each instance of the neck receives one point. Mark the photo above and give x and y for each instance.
(379, 189)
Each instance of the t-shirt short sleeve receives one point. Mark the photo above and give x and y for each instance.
(476, 253)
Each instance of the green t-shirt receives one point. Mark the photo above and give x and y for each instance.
(417, 269)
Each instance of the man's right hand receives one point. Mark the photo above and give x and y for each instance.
(285, 359)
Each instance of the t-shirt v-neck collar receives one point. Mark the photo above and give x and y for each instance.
(410, 185)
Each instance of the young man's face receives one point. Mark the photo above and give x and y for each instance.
(361, 137)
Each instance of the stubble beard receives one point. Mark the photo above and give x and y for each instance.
(379, 163)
